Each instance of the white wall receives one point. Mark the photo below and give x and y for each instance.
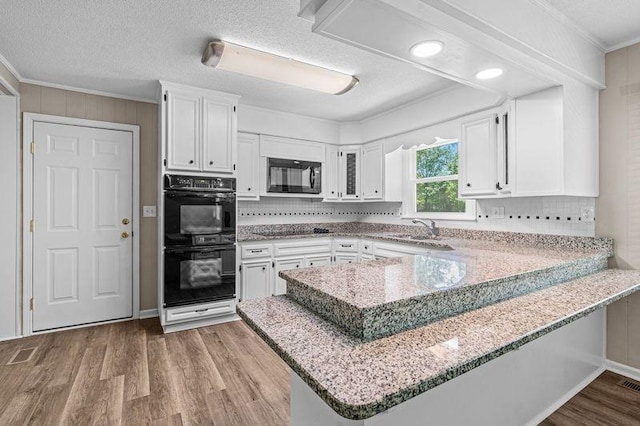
(252, 119)
(8, 215)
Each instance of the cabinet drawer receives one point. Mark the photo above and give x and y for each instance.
(394, 250)
(367, 247)
(256, 250)
(188, 313)
(307, 246)
(345, 245)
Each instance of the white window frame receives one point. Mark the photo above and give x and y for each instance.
(410, 210)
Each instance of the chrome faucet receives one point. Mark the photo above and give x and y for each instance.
(432, 229)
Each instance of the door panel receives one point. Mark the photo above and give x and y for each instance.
(256, 281)
(280, 286)
(478, 157)
(218, 136)
(82, 192)
(184, 131)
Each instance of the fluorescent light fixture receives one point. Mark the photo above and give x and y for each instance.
(425, 49)
(489, 73)
(255, 63)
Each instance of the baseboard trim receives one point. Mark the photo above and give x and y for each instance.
(566, 397)
(148, 313)
(622, 369)
(6, 339)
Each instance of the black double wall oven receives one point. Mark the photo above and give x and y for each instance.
(199, 239)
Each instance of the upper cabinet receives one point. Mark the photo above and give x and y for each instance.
(349, 173)
(372, 171)
(331, 174)
(248, 178)
(201, 129)
(477, 167)
(542, 144)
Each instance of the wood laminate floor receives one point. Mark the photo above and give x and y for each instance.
(603, 402)
(130, 373)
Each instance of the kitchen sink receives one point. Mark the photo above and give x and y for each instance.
(413, 237)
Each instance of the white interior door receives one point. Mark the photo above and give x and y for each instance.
(82, 211)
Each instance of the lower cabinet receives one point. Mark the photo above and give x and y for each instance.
(319, 260)
(280, 285)
(342, 258)
(256, 279)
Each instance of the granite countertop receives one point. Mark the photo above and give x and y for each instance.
(359, 379)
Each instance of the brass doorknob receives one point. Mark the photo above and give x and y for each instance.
(125, 221)
(125, 234)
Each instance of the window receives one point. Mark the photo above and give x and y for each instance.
(434, 183)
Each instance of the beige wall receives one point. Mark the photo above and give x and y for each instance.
(46, 100)
(618, 207)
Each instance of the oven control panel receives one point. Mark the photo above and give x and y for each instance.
(208, 240)
(198, 183)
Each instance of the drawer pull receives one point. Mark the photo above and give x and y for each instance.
(346, 245)
(202, 310)
(256, 251)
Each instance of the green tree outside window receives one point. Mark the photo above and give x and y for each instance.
(436, 180)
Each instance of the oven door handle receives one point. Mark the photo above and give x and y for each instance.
(200, 249)
(312, 178)
(221, 196)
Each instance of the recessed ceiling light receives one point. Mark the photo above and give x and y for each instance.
(489, 73)
(425, 49)
(256, 63)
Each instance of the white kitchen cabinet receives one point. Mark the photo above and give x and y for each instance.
(183, 130)
(349, 173)
(219, 132)
(372, 171)
(256, 278)
(280, 285)
(199, 129)
(346, 258)
(321, 260)
(331, 172)
(248, 179)
(477, 157)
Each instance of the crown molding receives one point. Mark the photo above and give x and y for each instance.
(10, 67)
(623, 44)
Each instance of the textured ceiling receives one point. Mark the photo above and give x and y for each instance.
(125, 46)
(611, 22)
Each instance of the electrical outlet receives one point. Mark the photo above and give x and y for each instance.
(148, 211)
(587, 214)
(497, 212)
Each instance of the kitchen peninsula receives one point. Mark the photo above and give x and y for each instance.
(447, 334)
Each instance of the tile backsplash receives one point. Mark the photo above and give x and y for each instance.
(540, 215)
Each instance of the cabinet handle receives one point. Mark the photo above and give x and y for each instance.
(468, 184)
(310, 263)
(376, 191)
(202, 310)
(333, 192)
(211, 163)
(248, 189)
(357, 195)
(297, 266)
(256, 251)
(264, 268)
(190, 161)
(498, 187)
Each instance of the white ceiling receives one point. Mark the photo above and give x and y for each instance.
(124, 47)
(613, 23)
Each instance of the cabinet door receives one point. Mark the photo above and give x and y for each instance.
(319, 260)
(218, 135)
(350, 174)
(346, 258)
(256, 279)
(280, 286)
(505, 148)
(248, 168)
(478, 157)
(331, 173)
(372, 171)
(184, 134)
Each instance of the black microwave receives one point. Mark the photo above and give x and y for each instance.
(293, 176)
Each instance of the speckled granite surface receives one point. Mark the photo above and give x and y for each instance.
(360, 379)
(459, 237)
(379, 298)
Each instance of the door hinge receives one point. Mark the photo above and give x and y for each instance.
(165, 97)
(32, 225)
(33, 148)
(273, 264)
(240, 268)
(234, 167)
(340, 153)
(164, 162)
(31, 304)
(234, 108)
(497, 120)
